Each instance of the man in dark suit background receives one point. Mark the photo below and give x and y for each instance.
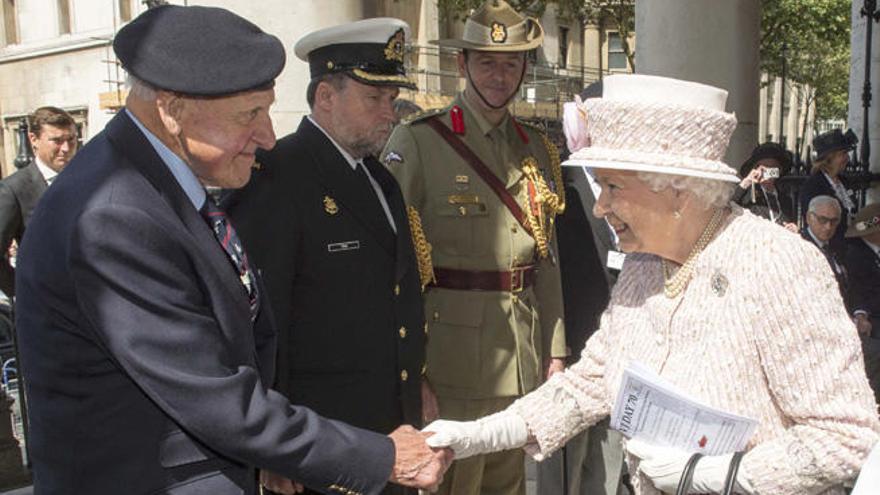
(146, 336)
(327, 224)
(863, 267)
(53, 136)
(823, 216)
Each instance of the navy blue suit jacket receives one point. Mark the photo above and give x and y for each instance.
(143, 369)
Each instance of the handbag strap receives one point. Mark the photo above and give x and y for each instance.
(730, 480)
(687, 475)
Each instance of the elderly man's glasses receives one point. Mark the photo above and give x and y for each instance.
(825, 220)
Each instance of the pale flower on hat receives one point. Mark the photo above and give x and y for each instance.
(657, 124)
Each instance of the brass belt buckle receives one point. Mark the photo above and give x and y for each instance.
(517, 280)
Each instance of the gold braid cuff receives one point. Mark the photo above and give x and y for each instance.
(421, 247)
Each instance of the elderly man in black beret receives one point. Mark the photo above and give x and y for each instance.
(146, 336)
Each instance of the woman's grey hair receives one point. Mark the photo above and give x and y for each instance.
(711, 193)
(141, 90)
(823, 200)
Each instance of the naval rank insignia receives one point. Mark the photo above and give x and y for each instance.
(330, 205)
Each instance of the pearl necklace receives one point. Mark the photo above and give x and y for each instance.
(673, 285)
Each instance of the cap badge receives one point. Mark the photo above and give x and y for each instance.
(394, 48)
(330, 205)
(499, 32)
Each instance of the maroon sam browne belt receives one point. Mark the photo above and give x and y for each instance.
(514, 280)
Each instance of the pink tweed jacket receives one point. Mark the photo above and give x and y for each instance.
(761, 331)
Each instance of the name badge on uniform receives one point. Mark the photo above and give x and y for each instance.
(343, 246)
(615, 259)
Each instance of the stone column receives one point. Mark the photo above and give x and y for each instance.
(709, 41)
(856, 83)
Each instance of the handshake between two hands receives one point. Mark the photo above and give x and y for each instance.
(421, 458)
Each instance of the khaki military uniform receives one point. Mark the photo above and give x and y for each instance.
(485, 347)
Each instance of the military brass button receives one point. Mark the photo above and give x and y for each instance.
(424, 369)
(402, 332)
(514, 229)
(397, 290)
(462, 210)
(515, 299)
(404, 375)
(426, 329)
(436, 315)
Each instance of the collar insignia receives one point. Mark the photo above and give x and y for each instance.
(394, 48)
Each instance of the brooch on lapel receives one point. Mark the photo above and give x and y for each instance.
(330, 205)
(719, 284)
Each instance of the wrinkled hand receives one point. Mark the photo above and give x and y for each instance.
(863, 324)
(279, 484)
(494, 433)
(791, 227)
(430, 408)
(415, 464)
(553, 366)
(664, 465)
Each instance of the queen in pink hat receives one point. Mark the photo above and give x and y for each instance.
(734, 311)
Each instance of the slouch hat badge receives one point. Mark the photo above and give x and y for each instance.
(499, 32)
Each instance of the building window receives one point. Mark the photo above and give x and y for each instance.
(63, 17)
(563, 47)
(616, 55)
(124, 10)
(532, 56)
(10, 24)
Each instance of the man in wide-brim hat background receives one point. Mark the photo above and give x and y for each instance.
(471, 176)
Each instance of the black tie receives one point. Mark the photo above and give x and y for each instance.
(231, 244)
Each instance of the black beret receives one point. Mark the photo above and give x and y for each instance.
(201, 51)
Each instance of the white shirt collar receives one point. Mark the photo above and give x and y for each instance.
(350, 159)
(815, 239)
(47, 173)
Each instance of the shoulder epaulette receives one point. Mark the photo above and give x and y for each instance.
(421, 116)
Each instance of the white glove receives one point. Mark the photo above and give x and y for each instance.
(494, 433)
(664, 465)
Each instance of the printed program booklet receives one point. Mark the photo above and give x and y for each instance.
(650, 408)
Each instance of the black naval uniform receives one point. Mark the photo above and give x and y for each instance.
(343, 286)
